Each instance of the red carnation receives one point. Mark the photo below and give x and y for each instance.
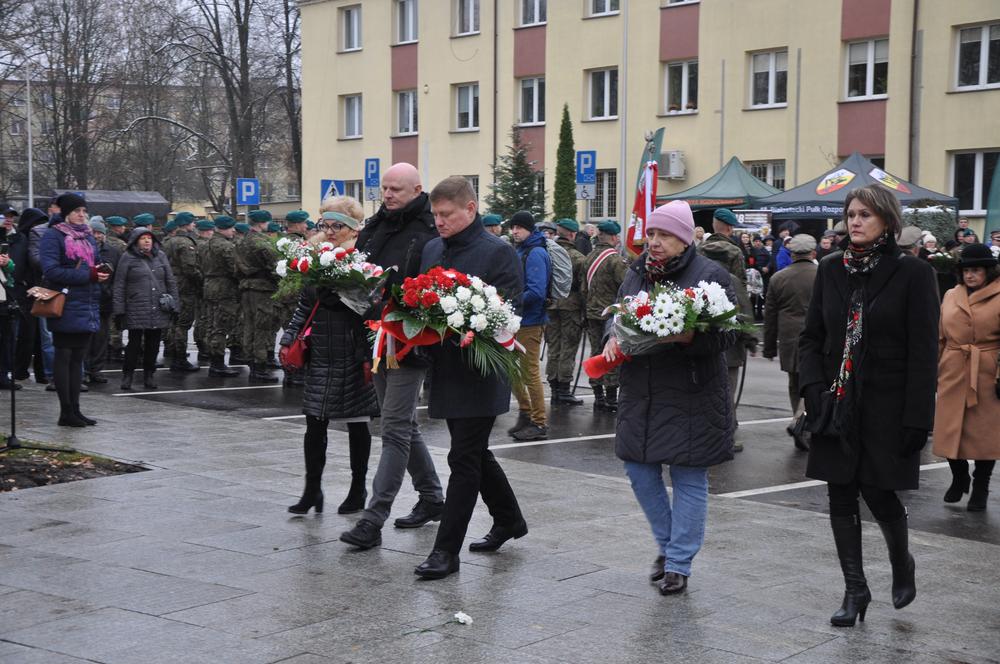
(351, 250)
(429, 299)
(689, 292)
(643, 310)
(411, 299)
(424, 281)
(463, 280)
(294, 264)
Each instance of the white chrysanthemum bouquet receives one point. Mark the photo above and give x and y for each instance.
(325, 265)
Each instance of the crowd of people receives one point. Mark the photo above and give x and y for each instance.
(858, 319)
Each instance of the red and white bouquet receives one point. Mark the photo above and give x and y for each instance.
(443, 303)
(647, 319)
(325, 265)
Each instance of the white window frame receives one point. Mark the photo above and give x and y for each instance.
(470, 90)
(606, 196)
(16, 127)
(772, 78)
(113, 103)
(534, 120)
(978, 195)
(537, 8)
(984, 53)
(406, 103)
(17, 100)
(472, 16)
(350, 29)
(685, 85)
(358, 128)
(768, 168)
(671, 3)
(606, 93)
(355, 190)
(603, 7)
(474, 181)
(870, 62)
(293, 189)
(407, 17)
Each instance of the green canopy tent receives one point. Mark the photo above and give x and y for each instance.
(731, 187)
(823, 198)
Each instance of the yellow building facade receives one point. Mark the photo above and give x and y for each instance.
(788, 86)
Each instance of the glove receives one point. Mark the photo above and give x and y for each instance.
(811, 393)
(913, 440)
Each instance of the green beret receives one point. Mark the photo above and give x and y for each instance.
(297, 216)
(224, 221)
(492, 220)
(242, 228)
(116, 221)
(183, 218)
(170, 225)
(144, 219)
(259, 216)
(609, 227)
(273, 227)
(569, 224)
(726, 217)
(205, 225)
(311, 225)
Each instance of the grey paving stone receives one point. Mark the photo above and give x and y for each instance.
(258, 540)
(256, 615)
(24, 608)
(226, 568)
(12, 653)
(513, 629)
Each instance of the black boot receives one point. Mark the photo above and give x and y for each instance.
(904, 582)
(611, 400)
(566, 397)
(360, 443)
(980, 486)
(553, 393)
(180, 364)
(236, 356)
(127, 379)
(219, 369)
(959, 480)
(272, 364)
(599, 402)
(149, 380)
(314, 452)
(67, 418)
(847, 536)
(86, 420)
(523, 420)
(260, 374)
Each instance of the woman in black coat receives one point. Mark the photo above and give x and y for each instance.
(868, 367)
(338, 381)
(674, 407)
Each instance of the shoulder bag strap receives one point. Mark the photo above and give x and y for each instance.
(305, 326)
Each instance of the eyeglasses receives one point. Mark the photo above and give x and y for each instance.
(335, 227)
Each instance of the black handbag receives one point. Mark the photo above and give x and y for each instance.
(824, 423)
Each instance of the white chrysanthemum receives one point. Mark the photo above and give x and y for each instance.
(282, 267)
(326, 258)
(489, 291)
(478, 322)
(477, 302)
(456, 319)
(449, 304)
(661, 328)
(329, 246)
(463, 294)
(282, 243)
(647, 324)
(477, 283)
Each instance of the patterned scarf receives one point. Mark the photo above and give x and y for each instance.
(658, 271)
(78, 246)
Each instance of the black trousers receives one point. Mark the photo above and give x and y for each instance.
(97, 354)
(145, 343)
(29, 347)
(474, 471)
(883, 503)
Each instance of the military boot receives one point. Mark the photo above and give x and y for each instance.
(599, 402)
(149, 380)
(611, 400)
(566, 397)
(260, 374)
(554, 392)
(218, 368)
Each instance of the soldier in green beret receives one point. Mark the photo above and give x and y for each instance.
(143, 219)
(493, 223)
(117, 232)
(297, 223)
(204, 229)
(604, 274)
(221, 293)
(182, 252)
(256, 258)
(565, 326)
(242, 229)
(273, 229)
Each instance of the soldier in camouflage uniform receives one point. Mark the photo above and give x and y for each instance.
(204, 229)
(221, 293)
(296, 226)
(117, 238)
(566, 315)
(605, 271)
(182, 252)
(256, 257)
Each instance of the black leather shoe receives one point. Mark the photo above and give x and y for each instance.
(86, 420)
(364, 535)
(673, 583)
(438, 565)
(97, 379)
(498, 535)
(181, 365)
(656, 570)
(423, 512)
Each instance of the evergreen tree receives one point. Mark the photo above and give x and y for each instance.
(564, 196)
(516, 182)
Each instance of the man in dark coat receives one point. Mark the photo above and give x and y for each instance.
(785, 316)
(395, 237)
(467, 401)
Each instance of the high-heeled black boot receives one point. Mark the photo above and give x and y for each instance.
(360, 442)
(904, 582)
(980, 486)
(857, 596)
(314, 451)
(959, 480)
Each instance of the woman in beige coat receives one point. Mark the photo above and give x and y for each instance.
(968, 396)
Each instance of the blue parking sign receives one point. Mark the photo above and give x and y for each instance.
(586, 166)
(247, 191)
(372, 175)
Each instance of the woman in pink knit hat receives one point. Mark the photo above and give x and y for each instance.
(674, 407)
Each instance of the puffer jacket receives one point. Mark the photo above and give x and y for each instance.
(81, 311)
(336, 387)
(537, 269)
(674, 405)
(140, 281)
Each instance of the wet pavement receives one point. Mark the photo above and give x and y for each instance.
(196, 560)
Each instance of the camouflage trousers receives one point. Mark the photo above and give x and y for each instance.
(260, 325)
(562, 343)
(595, 332)
(177, 333)
(202, 322)
(222, 325)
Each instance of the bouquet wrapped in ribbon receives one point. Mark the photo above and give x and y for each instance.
(441, 303)
(644, 321)
(325, 265)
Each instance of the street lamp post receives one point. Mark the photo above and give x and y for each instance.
(31, 169)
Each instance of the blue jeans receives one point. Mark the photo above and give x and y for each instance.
(48, 350)
(678, 530)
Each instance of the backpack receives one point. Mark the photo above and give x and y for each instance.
(561, 272)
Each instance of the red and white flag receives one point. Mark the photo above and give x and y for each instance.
(645, 202)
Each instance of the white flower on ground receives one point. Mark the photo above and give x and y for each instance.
(463, 618)
(463, 294)
(449, 304)
(282, 267)
(456, 319)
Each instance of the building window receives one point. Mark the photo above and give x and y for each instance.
(113, 103)
(292, 190)
(354, 189)
(605, 201)
(16, 127)
(604, 94)
(17, 100)
(352, 116)
(603, 7)
(769, 80)
(46, 127)
(266, 191)
(474, 181)
(979, 56)
(406, 21)
(533, 12)
(769, 172)
(973, 174)
(406, 112)
(681, 87)
(350, 23)
(532, 101)
(467, 103)
(466, 17)
(867, 68)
